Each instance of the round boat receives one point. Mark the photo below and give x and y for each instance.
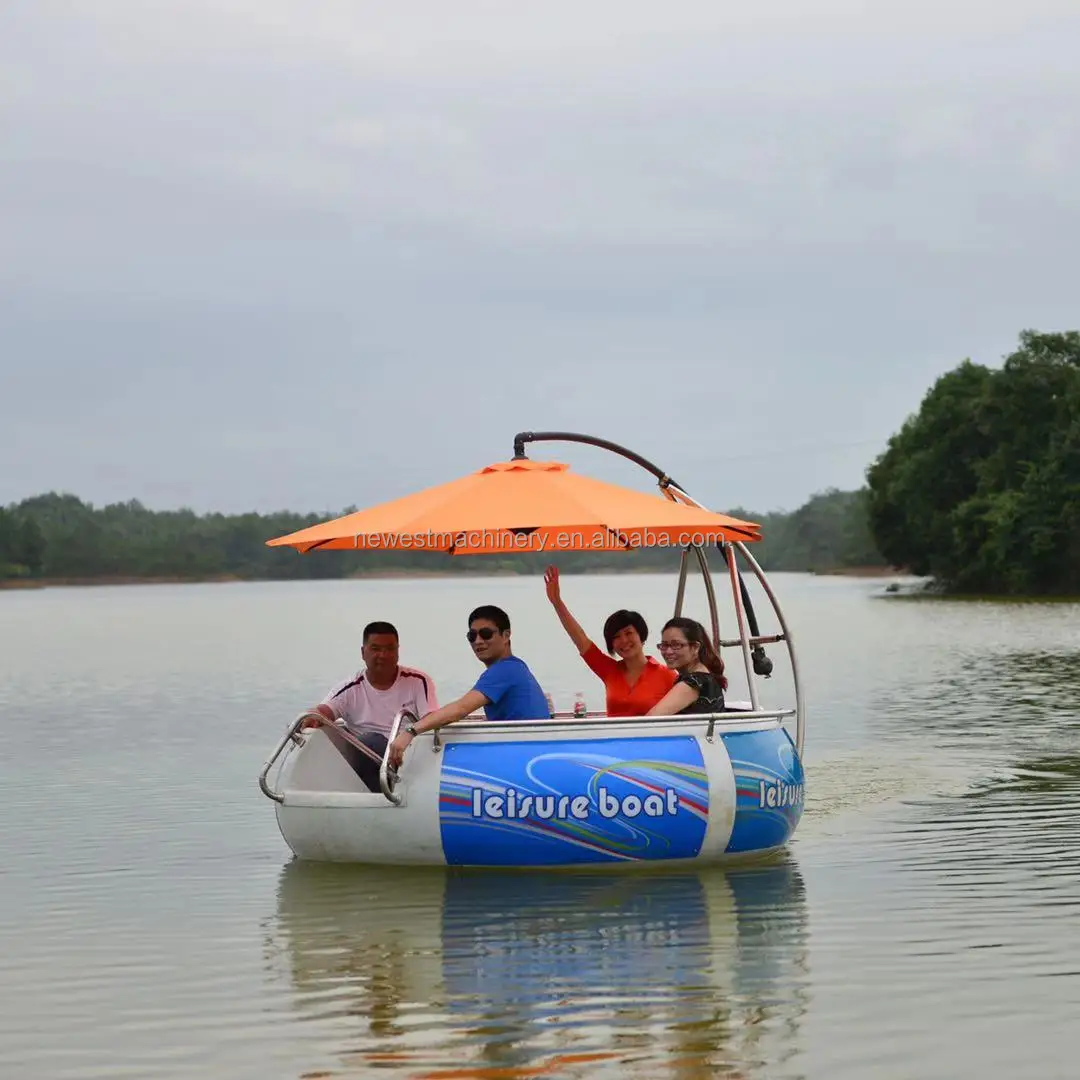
(565, 791)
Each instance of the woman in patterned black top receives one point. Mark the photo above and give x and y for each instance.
(701, 683)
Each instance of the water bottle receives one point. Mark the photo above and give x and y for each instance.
(551, 706)
(580, 708)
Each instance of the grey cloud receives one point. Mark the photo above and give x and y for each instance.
(259, 256)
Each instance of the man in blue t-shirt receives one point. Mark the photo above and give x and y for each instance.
(507, 690)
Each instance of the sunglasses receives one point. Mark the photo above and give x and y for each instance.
(486, 634)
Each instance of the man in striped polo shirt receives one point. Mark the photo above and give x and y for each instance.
(370, 699)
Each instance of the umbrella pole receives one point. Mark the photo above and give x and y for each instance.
(680, 591)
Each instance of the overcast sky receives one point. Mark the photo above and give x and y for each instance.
(259, 254)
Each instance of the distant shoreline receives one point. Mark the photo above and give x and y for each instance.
(18, 584)
(15, 584)
(116, 579)
(858, 571)
(374, 575)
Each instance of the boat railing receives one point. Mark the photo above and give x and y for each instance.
(386, 773)
(311, 718)
(739, 718)
(475, 723)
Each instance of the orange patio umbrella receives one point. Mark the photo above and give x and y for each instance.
(522, 506)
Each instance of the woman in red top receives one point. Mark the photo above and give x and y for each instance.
(635, 682)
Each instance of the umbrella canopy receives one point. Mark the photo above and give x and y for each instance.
(522, 506)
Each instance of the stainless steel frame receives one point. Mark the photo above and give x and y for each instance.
(293, 735)
(786, 636)
(744, 640)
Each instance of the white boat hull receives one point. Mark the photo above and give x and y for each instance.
(605, 793)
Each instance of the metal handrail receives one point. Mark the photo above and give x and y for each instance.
(384, 764)
(734, 716)
(293, 735)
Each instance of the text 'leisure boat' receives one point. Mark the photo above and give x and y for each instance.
(563, 791)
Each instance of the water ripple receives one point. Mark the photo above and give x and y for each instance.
(924, 922)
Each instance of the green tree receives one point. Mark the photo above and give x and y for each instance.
(30, 546)
(980, 488)
(22, 545)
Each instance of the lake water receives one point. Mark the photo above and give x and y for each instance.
(925, 921)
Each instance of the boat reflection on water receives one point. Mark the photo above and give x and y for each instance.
(695, 973)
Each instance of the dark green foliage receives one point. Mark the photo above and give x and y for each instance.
(61, 537)
(22, 545)
(830, 532)
(128, 540)
(981, 489)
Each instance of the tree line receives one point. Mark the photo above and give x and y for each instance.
(60, 537)
(980, 489)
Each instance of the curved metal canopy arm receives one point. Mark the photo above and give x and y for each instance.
(522, 437)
